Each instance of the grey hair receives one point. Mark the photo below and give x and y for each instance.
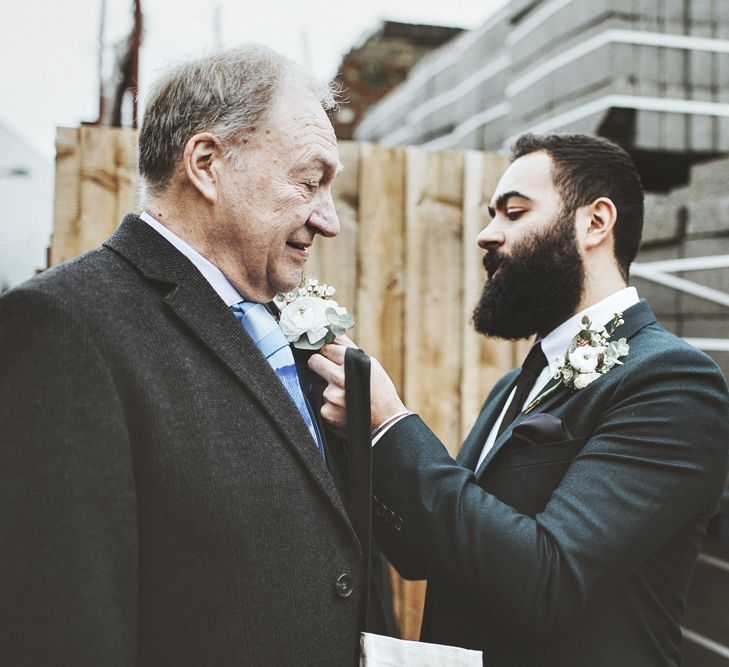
(224, 93)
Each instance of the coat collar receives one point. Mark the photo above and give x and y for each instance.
(191, 299)
(636, 318)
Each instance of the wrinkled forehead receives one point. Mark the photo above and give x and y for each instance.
(530, 175)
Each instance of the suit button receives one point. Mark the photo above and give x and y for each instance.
(397, 523)
(344, 586)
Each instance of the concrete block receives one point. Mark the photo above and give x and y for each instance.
(722, 72)
(649, 14)
(663, 300)
(705, 327)
(658, 253)
(700, 11)
(723, 134)
(647, 131)
(721, 17)
(701, 68)
(674, 12)
(661, 221)
(648, 68)
(709, 179)
(621, 61)
(701, 133)
(673, 67)
(692, 306)
(709, 216)
(674, 132)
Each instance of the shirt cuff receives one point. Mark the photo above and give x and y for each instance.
(387, 425)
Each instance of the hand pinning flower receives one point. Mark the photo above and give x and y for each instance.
(588, 356)
(310, 318)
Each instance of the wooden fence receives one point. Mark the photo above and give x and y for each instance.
(405, 263)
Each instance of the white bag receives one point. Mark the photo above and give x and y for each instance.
(381, 651)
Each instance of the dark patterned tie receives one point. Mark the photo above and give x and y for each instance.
(530, 370)
(270, 340)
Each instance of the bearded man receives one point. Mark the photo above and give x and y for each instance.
(567, 530)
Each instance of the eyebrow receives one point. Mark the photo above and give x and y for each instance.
(503, 200)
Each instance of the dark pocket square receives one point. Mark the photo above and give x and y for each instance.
(539, 428)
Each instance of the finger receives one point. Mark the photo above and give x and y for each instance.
(334, 353)
(335, 395)
(345, 340)
(328, 370)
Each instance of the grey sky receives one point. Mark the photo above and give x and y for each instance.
(48, 54)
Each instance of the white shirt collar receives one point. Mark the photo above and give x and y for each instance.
(210, 272)
(556, 341)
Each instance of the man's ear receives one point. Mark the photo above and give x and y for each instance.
(199, 159)
(603, 216)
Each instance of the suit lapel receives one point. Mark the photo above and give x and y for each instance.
(474, 442)
(195, 303)
(636, 318)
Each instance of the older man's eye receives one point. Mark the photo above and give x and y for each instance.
(313, 185)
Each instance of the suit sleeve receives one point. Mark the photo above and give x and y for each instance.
(67, 502)
(646, 472)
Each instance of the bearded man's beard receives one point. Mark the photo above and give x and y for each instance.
(537, 287)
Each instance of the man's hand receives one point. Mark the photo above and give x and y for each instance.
(329, 364)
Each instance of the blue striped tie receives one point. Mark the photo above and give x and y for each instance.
(270, 340)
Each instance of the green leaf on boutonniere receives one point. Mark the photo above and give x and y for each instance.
(304, 344)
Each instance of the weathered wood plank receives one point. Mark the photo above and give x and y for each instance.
(380, 293)
(99, 187)
(485, 360)
(380, 306)
(67, 192)
(433, 297)
(127, 171)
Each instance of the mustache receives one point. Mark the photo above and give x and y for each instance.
(492, 261)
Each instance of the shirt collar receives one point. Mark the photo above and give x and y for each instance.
(210, 272)
(557, 341)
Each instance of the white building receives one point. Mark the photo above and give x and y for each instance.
(26, 209)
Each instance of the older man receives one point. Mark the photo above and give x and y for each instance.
(567, 530)
(164, 494)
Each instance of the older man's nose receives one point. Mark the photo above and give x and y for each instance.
(324, 218)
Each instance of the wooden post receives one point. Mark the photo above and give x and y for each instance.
(336, 258)
(485, 359)
(99, 186)
(66, 207)
(434, 295)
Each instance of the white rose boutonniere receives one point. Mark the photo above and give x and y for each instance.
(589, 355)
(310, 318)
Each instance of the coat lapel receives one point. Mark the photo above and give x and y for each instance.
(474, 442)
(636, 318)
(192, 299)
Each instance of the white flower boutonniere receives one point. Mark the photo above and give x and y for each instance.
(310, 318)
(589, 355)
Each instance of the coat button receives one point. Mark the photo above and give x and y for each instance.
(344, 586)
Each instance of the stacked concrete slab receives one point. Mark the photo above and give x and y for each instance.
(691, 221)
(652, 73)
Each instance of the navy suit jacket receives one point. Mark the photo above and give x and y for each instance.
(574, 542)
